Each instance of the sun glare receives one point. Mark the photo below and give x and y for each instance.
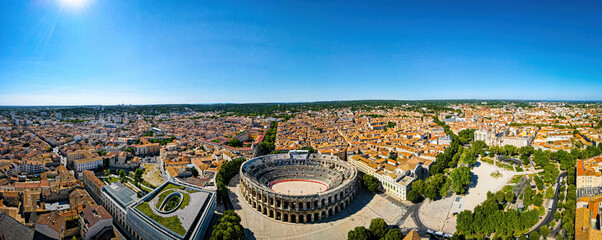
(74, 3)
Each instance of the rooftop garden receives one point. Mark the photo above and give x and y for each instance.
(173, 223)
(170, 188)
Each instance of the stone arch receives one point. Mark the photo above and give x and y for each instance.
(285, 217)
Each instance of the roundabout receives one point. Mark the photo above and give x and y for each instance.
(298, 187)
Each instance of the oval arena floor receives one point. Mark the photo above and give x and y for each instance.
(298, 187)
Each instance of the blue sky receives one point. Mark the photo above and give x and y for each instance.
(53, 52)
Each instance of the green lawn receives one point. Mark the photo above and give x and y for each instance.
(487, 160)
(516, 178)
(173, 223)
(508, 188)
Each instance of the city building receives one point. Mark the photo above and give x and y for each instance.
(94, 221)
(51, 225)
(394, 177)
(116, 198)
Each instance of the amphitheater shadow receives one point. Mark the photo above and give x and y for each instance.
(360, 202)
(249, 234)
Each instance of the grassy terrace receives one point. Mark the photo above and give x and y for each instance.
(166, 191)
(172, 223)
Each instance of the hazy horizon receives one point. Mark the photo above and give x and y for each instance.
(319, 101)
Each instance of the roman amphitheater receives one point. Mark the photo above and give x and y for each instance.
(298, 187)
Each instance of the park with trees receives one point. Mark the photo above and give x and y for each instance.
(377, 230)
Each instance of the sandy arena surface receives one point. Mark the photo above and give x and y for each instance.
(298, 187)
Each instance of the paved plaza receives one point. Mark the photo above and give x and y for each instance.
(440, 214)
(364, 208)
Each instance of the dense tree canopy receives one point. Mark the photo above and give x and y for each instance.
(371, 183)
(226, 172)
(359, 233)
(460, 178)
(234, 142)
(228, 227)
(378, 227)
(490, 217)
(393, 234)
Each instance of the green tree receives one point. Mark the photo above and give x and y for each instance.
(499, 196)
(534, 235)
(228, 227)
(138, 175)
(413, 196)
(545, 231)
(460, 178)
(122, 176)
(195, 172)
(371, 183)
(528, 196)
(550, 192)
(524, 159)
(444, 191)
(538, 200)
(430, 191)
(234, 142)
(359, 233)
(418, 185)
(509, 197)
(394, 234)
(378, 227)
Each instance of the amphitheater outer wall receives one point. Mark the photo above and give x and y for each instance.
(298, 208)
